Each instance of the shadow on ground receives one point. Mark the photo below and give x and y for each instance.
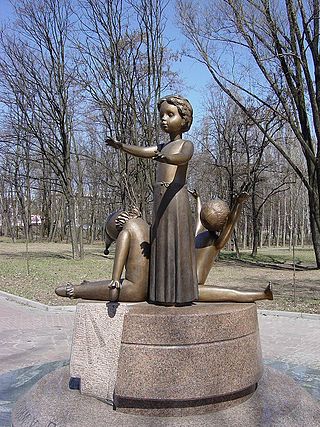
(14, 384)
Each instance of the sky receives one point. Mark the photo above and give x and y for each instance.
(5, 9)
(193, 74)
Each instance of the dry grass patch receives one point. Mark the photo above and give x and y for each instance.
(51, 264)
(232, 274)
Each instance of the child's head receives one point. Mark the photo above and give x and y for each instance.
(124, 216)
(116, 220)
(184, 107)
(214, 214)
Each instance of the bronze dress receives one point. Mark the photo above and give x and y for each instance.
(173, 278)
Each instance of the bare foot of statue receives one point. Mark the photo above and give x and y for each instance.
(65, 290)
(268, 292)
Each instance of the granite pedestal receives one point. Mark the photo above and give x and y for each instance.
(146, 365)
(277, 402)
(154, 360)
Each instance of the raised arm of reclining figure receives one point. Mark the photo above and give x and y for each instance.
(120, 258)
(231, 221)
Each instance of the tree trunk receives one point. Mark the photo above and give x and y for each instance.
(279, 225)
(270, 227)
(262, 228)
(284, 231)
(245, 232)
(291, 225)
(255, 224)
(314, 212)
(302, 228)
(255, 237)
(236, 246)
(73, 228)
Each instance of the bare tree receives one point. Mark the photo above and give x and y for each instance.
(270, 52)
(38, 77)
(122, 56)
(240, 155)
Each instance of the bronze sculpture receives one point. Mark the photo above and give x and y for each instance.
(110, 230)
(214, 217)
(215, 224)
(132, 252)
(172, 243)
(178, 264)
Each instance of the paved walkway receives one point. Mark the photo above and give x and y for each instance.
(288, 338)
(33, 336)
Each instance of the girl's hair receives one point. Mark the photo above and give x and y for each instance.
(184, 107)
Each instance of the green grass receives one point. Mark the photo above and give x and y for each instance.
(50, 264)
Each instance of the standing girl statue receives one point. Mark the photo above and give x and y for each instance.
(173, 279)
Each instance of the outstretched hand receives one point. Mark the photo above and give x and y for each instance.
(113, 143)
(244, 191)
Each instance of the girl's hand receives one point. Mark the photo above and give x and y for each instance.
(114, 143)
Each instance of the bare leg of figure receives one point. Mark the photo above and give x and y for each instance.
(98, 290)
(213, 294)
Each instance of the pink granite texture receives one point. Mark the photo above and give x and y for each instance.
(187, 360)
(278, 401)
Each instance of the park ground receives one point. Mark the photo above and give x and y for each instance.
(36, 274)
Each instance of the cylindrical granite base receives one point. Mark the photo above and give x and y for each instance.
(278, 401)
(187, 360)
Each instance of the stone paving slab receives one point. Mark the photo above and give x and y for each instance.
(32, 336)
(16, 383)
(292, 339)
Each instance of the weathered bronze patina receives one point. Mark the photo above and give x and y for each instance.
(179, 263)
(132, 253)
(172, 243)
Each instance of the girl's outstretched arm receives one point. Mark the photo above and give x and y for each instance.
(135, 150)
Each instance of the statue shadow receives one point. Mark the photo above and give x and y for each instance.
(145, 249)
(112, 308)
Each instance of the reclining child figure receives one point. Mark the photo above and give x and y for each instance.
(215, 224)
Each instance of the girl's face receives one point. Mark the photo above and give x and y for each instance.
(171, 121)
